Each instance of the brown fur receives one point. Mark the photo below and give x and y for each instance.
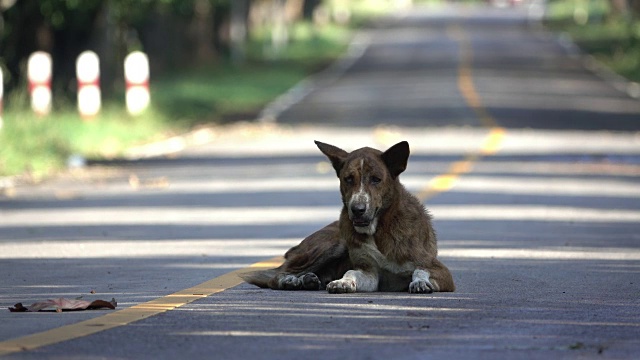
(383, 235)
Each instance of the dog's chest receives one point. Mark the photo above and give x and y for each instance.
(369, 253)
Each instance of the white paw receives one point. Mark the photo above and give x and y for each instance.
(421, 286)
(341, 286)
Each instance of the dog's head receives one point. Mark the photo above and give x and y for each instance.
(368, 180)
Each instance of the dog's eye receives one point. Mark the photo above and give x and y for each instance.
(375, 180)
(349, 180)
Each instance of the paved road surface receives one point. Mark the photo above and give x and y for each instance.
(529, 163)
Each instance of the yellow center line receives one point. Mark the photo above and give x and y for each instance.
(492, 141)
(134, 313)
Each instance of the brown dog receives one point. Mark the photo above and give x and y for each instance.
(383, 240)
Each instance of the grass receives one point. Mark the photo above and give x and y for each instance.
(180, 101)
(215, 94)
(612, 39)
(41, 145)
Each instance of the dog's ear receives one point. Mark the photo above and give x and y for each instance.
(396, 158)
(335, 154)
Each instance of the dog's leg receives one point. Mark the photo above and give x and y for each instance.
(436, 278)
(441, 277)
(421, 284)
(354, 280)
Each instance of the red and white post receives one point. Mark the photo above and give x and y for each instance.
(39, 69)
(88, 75)
(136, 73)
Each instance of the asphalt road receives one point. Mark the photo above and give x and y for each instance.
(529, 163)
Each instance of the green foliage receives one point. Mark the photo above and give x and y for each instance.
(570, 11)
(307, 44)
(72, 14)
(612, 38)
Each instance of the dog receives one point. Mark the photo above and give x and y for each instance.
(383, 240)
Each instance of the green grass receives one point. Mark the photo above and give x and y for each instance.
(212, 95)
(216, 94)
(613, 40)
(41, 145)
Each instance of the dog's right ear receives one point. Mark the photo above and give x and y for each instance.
(336, 155)
(396, 158)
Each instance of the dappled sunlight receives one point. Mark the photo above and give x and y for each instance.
(579, 323)
(548, 186)
(399, 311)
(618, 268)
(347, 313)
(282, 215)
(560, 253)
(317, 335)
(534, 213)
(392, 319)
(508, 184)
(401, 338)
(211, 265)
(557, 165)
(90, 249)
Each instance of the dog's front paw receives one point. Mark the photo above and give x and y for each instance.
(290, 282)
(341, 286)
(310, 281)
(421, 286)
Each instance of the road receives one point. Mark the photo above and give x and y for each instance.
(528, 162)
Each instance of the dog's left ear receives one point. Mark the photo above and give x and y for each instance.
(336, 155)
(396, 158)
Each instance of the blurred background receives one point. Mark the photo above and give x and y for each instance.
(213, 62)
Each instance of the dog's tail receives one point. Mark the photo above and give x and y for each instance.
(260, 278)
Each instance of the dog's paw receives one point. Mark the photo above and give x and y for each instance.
(421, 286)
(311, 282)
(341, 286)
(290, 282)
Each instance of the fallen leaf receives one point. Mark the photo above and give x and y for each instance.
(62, 304)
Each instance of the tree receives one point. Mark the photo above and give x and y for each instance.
(174, 33)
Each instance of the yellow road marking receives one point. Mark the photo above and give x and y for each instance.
(134, 313)
(442, 183)
(493, 140)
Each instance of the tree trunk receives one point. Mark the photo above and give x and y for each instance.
(203, 32)
(238, 29)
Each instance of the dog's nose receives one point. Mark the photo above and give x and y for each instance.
(358, 209)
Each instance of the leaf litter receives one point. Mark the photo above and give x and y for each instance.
(64, 304)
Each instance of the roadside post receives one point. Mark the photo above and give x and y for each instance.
(88, 75)
(39, 73)
(136, 73)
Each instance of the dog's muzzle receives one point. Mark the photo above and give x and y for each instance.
(358, 215)
(363, 217)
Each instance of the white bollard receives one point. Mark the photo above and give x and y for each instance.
(39, 73)
(88, 75)
(136, 74)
